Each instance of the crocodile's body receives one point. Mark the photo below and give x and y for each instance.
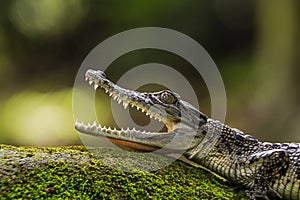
(263, 168)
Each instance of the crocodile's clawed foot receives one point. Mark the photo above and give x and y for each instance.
(257, 194)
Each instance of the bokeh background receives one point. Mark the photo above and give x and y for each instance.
(255, 45)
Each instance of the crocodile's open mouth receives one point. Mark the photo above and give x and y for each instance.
(130, 138)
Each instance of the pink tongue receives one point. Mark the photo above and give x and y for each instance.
(132, 145)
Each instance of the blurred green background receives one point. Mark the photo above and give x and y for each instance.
(255, 45)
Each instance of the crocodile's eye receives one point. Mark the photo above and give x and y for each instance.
(167, 98)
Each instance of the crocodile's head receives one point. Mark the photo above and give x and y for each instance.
(182, 120)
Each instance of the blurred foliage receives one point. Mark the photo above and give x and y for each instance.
(46, 18)
(42, 44)
(38, 118)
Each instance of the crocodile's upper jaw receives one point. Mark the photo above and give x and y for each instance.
(164, 106)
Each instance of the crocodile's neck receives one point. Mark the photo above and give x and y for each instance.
(228, 144)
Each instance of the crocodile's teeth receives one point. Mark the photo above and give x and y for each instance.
(106, 91)
(96, 86)
(110, 94)
(90, 82)
(86, 78)
(119, 101)
(125, 105)
(115, 97)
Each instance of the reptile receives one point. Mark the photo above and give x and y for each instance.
(265, 169)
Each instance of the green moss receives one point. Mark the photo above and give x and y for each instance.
(75, 172)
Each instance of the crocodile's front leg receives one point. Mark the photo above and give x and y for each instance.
(267, 166)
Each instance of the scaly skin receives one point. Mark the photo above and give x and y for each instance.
(265, 169)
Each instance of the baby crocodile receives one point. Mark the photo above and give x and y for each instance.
(265, 169)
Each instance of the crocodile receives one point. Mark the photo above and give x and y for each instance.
(265, 169)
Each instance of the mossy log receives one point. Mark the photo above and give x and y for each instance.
(75, 173)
